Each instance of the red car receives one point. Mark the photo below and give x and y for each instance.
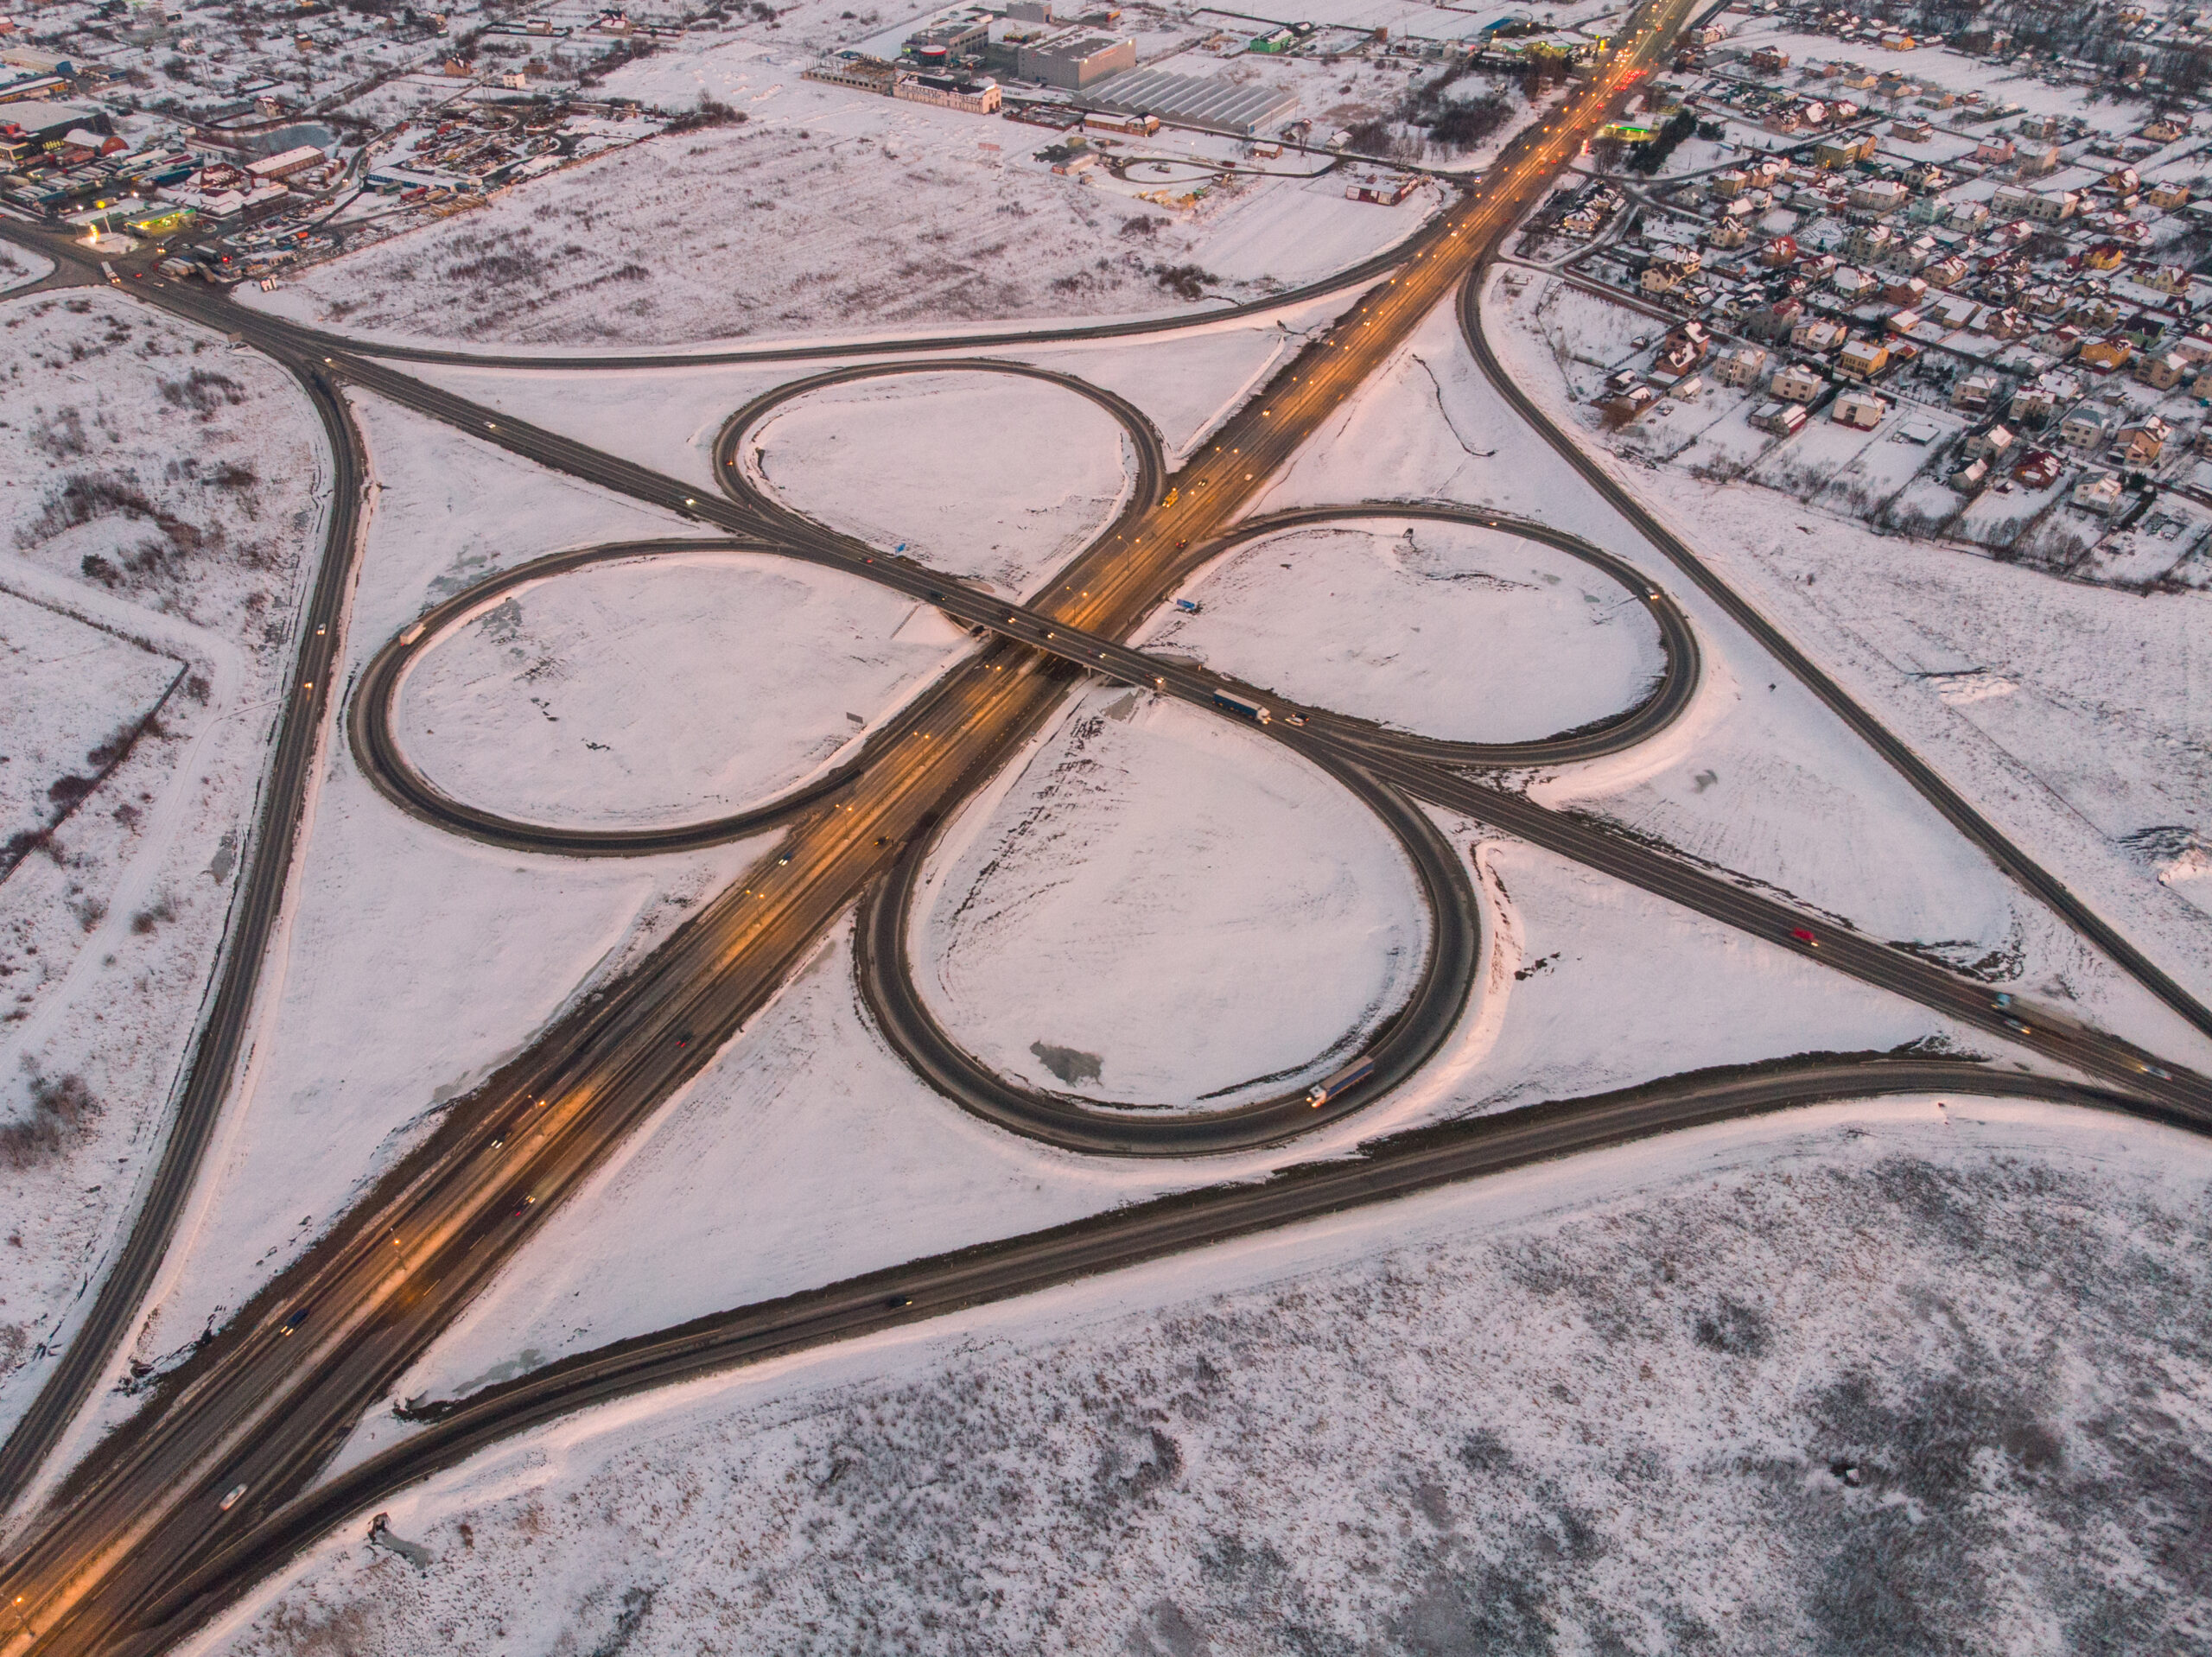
(1804, 937)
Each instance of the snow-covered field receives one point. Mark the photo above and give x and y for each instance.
(160, 509)
(1158, 909)
(20, 266)
(987, 476)
(1610, 986)
(1862, 1378)
(73, 692)
(827, 209)
(1447, 628)
(662, 690)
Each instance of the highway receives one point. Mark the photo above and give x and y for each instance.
(261, 1408)
(257, 902)
(139, 1546)
(1385, 1170)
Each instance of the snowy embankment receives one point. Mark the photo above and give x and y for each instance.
(994, 477)
(1446, 629)
(161, 504)
(1863, 1378)
(664, 690)
(827, 210)
(1158, 908)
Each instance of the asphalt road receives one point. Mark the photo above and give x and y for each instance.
(1384, 1171)
(382, 756)
(2000, 849)
(262, 1409)
(257, 904)
(1398, 1047)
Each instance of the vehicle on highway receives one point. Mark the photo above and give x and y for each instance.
(1170, 499)
(291, 1325)
(1295, 718)
(231, 1498)
(1183, 543)
(1804, 937)
(2020, 1025)
(1242, 708)
(893, 1303)
(1188, 606)
(523, 1207)
(1352, 1076)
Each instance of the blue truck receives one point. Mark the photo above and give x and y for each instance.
(1242, 708)
(1330, 1087)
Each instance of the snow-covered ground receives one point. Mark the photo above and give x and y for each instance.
(827, 209)
(73, 692)
(1157, 908)
(1611, 986)
(20, 266)
(2075, 716)
(1447, 628)
(162, 503)
(665, 689)
(451, 511)
(1865, 1378)
(992, 477)
(414, 961)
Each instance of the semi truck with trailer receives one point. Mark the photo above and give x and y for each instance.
(1331, 1087)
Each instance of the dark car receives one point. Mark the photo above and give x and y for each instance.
(291, 1325)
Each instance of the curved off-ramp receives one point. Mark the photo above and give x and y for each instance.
(1664, 703)
(729, 471)
(1398, 1047)
(383, 758)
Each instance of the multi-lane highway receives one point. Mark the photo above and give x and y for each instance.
(198, 1490)
(261, 1408)
(257, 904)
